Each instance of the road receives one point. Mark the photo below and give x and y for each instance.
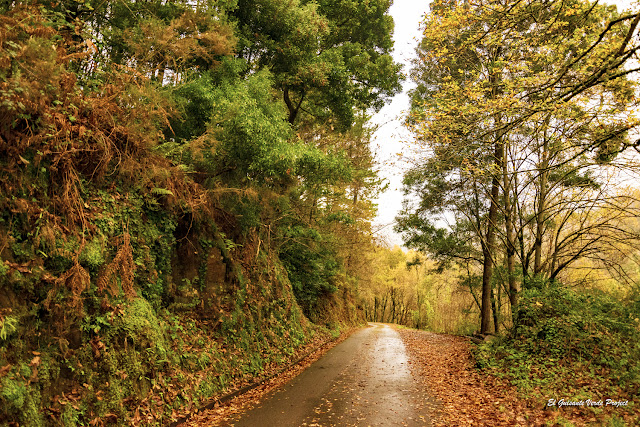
(364, 381)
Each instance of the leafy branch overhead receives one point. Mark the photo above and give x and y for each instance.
(330, 59)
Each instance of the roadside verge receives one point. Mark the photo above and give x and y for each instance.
(225, 407)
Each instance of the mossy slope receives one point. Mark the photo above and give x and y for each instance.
(145, 315)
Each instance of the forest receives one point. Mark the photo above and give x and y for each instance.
(523, 184)
(183, 185)
(187, 194)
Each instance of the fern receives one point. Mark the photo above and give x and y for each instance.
(162, 192)
(8, 325)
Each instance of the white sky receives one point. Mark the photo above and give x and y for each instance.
(391, 136)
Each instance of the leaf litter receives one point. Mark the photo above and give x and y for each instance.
(470, 397)
(225, 413)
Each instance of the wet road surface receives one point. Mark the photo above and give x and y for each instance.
(364, 381)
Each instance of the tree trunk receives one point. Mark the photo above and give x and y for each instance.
(485, 302)
(495, 310)
(293, 109)
(488, 246)
(383, 308)
(511, 244)
(540, 214)
(419, 306)
(393, 305)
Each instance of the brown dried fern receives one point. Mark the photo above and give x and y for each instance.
(76, 280)
(122, 265)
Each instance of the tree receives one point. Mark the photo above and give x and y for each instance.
(202, 83)
(510, 87)
(331, 63)
(330, 59)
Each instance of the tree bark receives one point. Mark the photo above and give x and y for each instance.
(488, 247)
(293, 109)
(511, 245)
(540, 214)
(495, 309)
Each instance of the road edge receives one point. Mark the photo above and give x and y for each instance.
(315, 353)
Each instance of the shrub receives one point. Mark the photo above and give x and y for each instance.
(559, 331)
(312, 266)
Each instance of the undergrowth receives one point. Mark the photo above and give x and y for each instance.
(134, 287)
(570, 345)
(134, 320)
(129, 353)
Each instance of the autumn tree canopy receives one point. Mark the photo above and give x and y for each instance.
(519, 110)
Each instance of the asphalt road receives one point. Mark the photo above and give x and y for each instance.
(364, 381)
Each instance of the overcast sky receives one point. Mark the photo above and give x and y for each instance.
(390, 137)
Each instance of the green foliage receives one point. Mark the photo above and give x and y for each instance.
(8, 326)
(560, 331)
(14, 392)
(332, 56)
(249, 140)
(161, 192)
(441, 186)
(229, 244)
(92, 255)
(136, 150)
(157, 35)
(311, 264)
(196, 99)
(139, 325)
(18, 399)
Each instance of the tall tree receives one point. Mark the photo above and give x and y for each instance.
(502, 76)
(330, 58)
